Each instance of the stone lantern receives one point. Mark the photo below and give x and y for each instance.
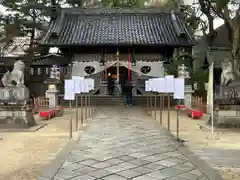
(183, 73)
(52, 83)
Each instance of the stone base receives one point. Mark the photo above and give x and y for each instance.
(188, 96)
(51, 94)
(16, 117)
(14, 94)
(226, 118)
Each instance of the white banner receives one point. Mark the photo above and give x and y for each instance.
(69, 89)
(86, 86)
(161, 88)
(157, 68)
(154, 84)
(90, 83)
(77, 84)
(178, 88)
(169, 84)
(78, 68)
(147, 86)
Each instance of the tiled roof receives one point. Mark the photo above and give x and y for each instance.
(45, 60)
(51, 59)
(117, 27)
(122, 57)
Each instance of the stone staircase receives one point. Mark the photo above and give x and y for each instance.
(106, 100)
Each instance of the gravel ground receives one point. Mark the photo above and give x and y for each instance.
(22, 157)
(230, 174)
(24, 154)
(198, 139)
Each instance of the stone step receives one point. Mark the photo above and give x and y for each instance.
(109, 100)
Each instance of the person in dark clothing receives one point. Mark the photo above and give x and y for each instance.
(128, 92)
(110, 85)
(31, 99)
(122, 82)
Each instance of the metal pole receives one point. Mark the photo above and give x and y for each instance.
(212, 97)
(90, 102)
(85, 105)
(178, 114)
(147, 102)
(150, 108)
(93, 106)
(168, 125)
(161, 106)
(76, 113)
(70, 123)
(81, 110)
(89, 106)
(155, 105)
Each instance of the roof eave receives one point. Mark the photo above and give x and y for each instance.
(120, 45)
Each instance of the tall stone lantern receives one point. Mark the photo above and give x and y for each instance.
(183, 73)
(52, 82)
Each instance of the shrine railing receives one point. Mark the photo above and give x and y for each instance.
(198, 103)
(41, 102)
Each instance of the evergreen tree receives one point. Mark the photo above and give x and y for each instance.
(123, 3)
(75, 3)
(29, 16)
(9, 29)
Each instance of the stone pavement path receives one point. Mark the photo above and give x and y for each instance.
(124, 143)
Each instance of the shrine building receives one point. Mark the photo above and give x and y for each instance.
(125, 44)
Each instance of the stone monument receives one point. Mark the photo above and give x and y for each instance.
(183, 73)
(227, 98)
(15, 112)
(52, 82)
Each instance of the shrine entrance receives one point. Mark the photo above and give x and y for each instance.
(123, 73)
(118, 76)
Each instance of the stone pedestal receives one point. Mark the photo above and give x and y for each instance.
(16, 117)
(51, 94)
(14, 94)
(188, 96)
(226, 116)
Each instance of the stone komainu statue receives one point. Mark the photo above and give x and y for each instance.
(15, 77)
(13, 82)
(227, 75)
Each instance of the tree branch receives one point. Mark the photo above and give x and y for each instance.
(227, 17)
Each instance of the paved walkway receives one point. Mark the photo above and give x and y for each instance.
(124, 143)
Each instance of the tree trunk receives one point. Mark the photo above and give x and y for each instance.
(206, 9)
(235, 49)
(211, 36)
(236, 41)
(30, 52)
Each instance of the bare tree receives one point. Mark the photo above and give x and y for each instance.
(229, 11)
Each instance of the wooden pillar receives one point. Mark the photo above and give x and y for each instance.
(129, 64)
(117, 54)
